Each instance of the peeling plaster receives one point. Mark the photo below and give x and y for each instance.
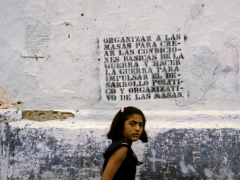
(7, 102)
(193, 154)
(38, 115)
(18, 104)
(200, 72)
(62, 153)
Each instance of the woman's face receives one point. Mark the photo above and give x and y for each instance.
(133, 128)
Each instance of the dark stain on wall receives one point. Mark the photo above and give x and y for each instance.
(193, 154)
(185, 38)
(18, 104)
(52, 158)
(176, 154)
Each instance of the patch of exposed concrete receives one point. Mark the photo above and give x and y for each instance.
(41, 115)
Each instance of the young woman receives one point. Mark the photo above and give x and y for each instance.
(120, 162)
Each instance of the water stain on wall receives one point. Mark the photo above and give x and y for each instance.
(175, 154)
(6, 102)
(201, 72)
(196, 10)
(18, 104)
(38, 115)
(52, 158)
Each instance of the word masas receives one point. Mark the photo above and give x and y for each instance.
(140, 45)
(161, 95)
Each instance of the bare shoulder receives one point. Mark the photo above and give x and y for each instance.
(120, 153)
(114, 163)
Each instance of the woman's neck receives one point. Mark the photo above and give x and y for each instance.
(129, 142)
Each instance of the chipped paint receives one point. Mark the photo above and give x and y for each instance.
(18, 104)
(37, 115)
(193, 154)
(6, 102)
(48, 57)
(75, 146)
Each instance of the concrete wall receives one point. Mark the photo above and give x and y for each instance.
(54, 111)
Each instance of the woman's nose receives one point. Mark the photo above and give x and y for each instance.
(137, 127)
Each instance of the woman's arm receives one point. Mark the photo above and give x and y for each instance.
(114, 163)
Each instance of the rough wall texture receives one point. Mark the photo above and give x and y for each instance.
(45, 115)
(72, 149)
(193, 137)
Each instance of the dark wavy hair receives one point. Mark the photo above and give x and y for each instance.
(117, 126)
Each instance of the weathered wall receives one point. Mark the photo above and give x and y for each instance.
(54, 118)
(181, 146)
